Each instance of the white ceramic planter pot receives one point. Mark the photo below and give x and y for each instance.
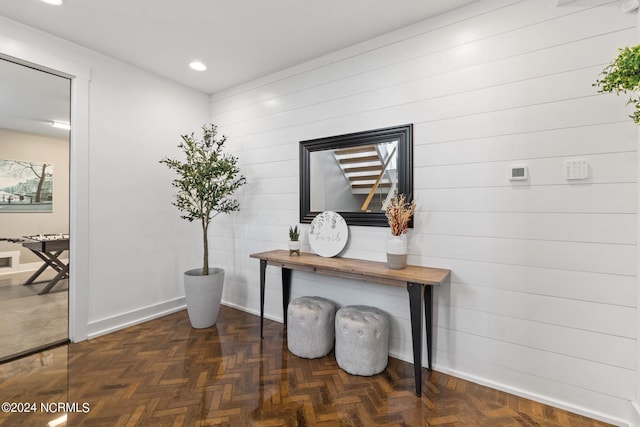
(294, 247)
(203, 294)
(397, 252)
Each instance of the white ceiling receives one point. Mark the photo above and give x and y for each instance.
(31, 99)
(239, 40)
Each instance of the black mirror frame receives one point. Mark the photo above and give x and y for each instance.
(403, 134)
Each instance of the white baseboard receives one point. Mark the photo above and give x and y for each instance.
(27, 266)
(121, 321)
(254, 312)
(536, 397)
(634, 419)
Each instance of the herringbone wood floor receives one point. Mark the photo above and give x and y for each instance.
(164, 373)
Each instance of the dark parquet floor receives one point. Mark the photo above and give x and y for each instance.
(164, 373)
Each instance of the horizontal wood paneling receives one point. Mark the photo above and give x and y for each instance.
(594, 346)
(579, 256)
(571, 227)
(543, 295)
(551, 366)
(570, 141)
(609, 168)
(545, 309)
(573, 285)
(579, 399)
(604, 199)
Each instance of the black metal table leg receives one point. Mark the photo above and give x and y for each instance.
(286, 292)
(415, 303)
(263, 269)
(428, 315)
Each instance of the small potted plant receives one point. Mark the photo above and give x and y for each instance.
(399, 213)
(206, 181)
(294, 241)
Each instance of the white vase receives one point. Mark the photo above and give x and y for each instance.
(397, 252)
(204, 295)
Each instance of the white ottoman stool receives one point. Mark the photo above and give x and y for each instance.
(310, 326)
(362, 340)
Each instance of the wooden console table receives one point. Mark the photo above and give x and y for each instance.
(417, 280)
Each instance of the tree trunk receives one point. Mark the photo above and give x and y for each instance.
(41, 183)
(205, 259)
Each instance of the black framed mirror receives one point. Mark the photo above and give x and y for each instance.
(354, 174)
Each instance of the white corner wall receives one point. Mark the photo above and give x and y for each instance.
(543, 296)
(129, 246)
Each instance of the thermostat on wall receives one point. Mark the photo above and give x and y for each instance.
(519, 173)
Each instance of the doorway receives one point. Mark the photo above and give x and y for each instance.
(34, 209)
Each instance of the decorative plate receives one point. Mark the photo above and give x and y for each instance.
(328, 234)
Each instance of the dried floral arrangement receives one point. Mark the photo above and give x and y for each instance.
(399, 213)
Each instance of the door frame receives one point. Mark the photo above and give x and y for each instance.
(15, 49)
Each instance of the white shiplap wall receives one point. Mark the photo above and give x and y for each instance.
(542, 300)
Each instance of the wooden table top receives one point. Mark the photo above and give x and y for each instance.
(358, 269)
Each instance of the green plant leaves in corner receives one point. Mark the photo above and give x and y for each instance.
(623, 76)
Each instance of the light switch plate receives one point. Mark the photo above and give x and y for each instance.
(576, 169)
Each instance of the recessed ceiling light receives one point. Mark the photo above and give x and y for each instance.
(52, 2)
(198, 66)
(61, 125)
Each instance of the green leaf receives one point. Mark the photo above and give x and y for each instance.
(622, 75)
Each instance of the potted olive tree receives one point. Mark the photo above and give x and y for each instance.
(205, 184)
